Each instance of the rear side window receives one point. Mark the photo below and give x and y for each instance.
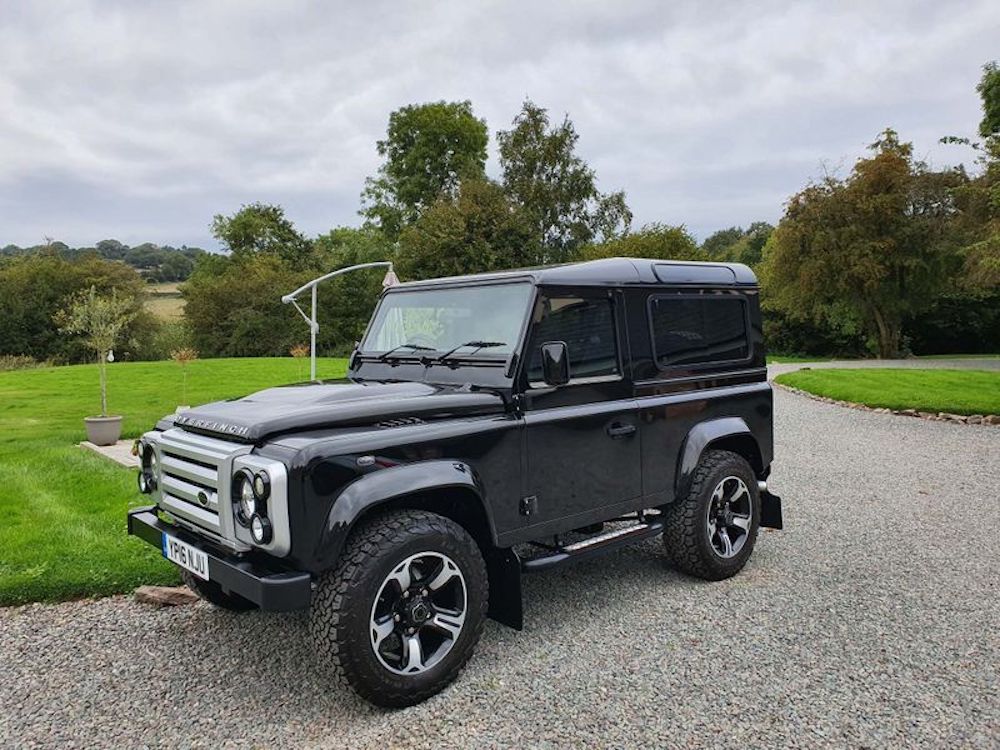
(586, 325)
(698, 329)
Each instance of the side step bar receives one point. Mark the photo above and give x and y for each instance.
(597, 545)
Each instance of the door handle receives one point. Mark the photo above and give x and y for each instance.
(619, 430)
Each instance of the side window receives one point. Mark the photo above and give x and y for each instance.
(586, 325)
(699, 329)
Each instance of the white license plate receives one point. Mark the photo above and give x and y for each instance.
(185, 555)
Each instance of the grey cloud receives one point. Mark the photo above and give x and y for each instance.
(142, 120)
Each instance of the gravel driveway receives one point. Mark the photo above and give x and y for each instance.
(871, 621)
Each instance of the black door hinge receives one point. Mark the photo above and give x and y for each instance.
(529, 505)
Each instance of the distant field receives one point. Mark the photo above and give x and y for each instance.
(62, 508)
(952, 391)
(164, 301)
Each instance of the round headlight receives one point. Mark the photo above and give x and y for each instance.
(147, 469)
(260, 529)
(262, 485)
(245, 498)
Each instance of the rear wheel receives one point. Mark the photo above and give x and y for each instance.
(212, 593)
(400, 615)
(710, 533)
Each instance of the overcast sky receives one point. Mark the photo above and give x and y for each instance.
(140, 120)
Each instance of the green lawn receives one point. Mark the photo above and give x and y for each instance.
(958, 356)
(952, 391)
(62, 508)
(794, 359)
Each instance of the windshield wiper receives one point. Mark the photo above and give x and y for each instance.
(476, 346)
(415, 347)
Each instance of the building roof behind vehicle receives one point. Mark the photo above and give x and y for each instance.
(617, 272)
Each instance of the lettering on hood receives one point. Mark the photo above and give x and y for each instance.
(212, 426)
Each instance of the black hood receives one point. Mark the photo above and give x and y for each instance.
(333, 404)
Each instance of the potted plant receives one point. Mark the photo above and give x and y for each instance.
(101, 321)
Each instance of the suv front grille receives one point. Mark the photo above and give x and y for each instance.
(189, 477)
(193, 486)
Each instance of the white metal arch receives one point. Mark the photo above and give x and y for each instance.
(389, 280)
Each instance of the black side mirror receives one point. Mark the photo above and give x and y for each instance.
(555, 363)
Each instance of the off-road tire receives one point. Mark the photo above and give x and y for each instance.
(342, 602)
(212, 593)
(686, 536)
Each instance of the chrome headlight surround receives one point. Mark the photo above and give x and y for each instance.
(267, 527)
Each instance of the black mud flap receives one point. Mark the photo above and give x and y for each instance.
(770, 511)
(506, 606)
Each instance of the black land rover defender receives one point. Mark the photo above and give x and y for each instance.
(489, 426)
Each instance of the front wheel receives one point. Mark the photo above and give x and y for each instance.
(400, 615)
(710, 533)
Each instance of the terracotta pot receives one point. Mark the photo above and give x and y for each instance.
(103, 430)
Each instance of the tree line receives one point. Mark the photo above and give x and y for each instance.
(892, 258)
(155, 263)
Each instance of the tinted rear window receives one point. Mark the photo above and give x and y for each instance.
(691, 330)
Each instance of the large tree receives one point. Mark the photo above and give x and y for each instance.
(868, 249)
(234, 309)
(34, 287)
(652, 241)
(979, 201)
(262, 229)
(556, 188)
(346, 302)
(478, 230)
(989, 92)
(233, 304)
(428, 150)
(718, 244)
(738, 245)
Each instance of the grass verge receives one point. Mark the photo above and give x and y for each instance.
(952, 391)
(794, 359)
(62, 508)
(958, 356)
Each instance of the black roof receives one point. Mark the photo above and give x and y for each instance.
(616, 272)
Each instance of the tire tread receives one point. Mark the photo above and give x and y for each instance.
(337, 593)
(683, 519)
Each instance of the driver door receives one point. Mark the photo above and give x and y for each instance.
(582, 457)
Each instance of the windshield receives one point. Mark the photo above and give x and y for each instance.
(480, 321)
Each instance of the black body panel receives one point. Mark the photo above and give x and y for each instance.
(333, 403)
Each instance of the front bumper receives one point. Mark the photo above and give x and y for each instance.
(269, 589)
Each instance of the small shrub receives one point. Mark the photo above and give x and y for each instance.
(184, 357)
(18, 362)
(300, 352)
